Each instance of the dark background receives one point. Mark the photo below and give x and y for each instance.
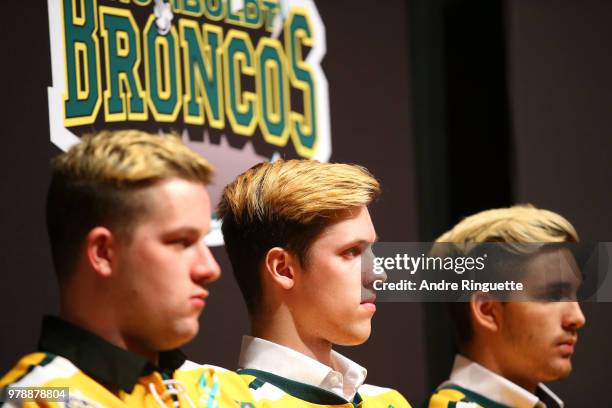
(455, 105)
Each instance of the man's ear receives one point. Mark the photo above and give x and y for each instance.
(99, 250)
(280, 268)
(485, 311)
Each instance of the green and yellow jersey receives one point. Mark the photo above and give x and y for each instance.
(472, 385)
(270, 390)
(453, 396)
(98, 374)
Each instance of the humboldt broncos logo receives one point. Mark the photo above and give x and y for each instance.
(240, 80)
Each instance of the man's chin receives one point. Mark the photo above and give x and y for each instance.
(181, 336)
(355, 338)
(560, 370)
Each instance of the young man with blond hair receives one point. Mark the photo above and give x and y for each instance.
(127, 213)
(508, 348)
(297, 233)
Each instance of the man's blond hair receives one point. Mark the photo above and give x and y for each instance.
(287, 204)
(126, 157)
(516, 225)
(98, 182)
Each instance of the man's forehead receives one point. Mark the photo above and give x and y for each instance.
(175, 200)
(552, 261)
(552, 269)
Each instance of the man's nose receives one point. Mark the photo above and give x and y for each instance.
(574, 318)
(369, 271)
(206, 269)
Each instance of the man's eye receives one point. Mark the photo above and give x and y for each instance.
(182, 242)
(352, 252)
(560, 296)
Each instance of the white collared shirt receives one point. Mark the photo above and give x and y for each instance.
(474, 377)
(264, 355)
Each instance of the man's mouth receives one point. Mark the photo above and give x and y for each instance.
(369, 303)
(567, 345)
(199, 299)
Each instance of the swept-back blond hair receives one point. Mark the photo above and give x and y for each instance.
(98, 182)
(286, 203)
(124, 157)
(519, 224)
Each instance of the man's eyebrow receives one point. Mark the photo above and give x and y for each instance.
(560, 285)
(367, 241)
(182, 229)
(360, 242)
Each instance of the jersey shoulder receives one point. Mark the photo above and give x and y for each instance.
(48, 370)
(374, 396)
(39, 369)
(224, 387)
(454, 396)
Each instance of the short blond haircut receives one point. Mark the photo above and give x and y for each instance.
(519, 224)
(287, 204)
(97, 183)
(127, 157)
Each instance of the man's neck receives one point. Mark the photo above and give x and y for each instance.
(487, 359)
(281, 329)
(108, 332)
